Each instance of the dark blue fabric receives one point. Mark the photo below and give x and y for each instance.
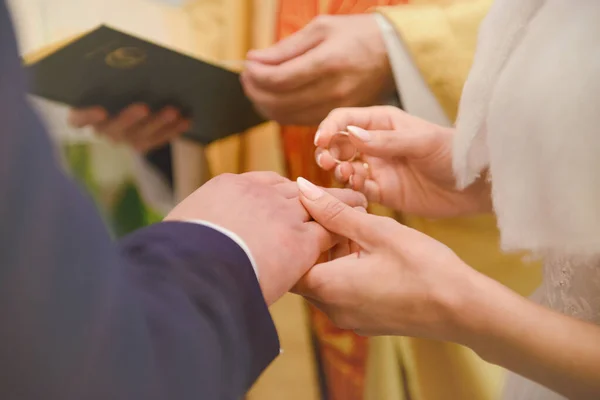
(173, 311)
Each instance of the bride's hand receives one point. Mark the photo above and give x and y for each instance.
(402, 282)
(405, 283)
(405, 162)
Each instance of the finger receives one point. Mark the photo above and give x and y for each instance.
(290, 47)
(343, 172)
(118, 127)
(177, 129)
(390, 143)
(322, 282)
(349, 197)
(82, 117)
(359, 176)
(168, 134)
(372, 191)
(325, 239)
(336, 216)
(155, 130)
(324, 159)
(354, 199)
(340, 250)
(310, 102)
(264, 177)
(378, 117)
(289, 75)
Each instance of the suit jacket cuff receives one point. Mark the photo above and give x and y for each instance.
(213, 255)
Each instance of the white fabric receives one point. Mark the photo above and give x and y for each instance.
(529, 113)
(417, 99)
(540, 111)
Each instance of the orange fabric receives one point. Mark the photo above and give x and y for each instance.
(343, 353)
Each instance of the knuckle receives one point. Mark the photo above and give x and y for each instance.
(321, 22)
(339, 114)
(333, 209)
(272, 79)
(227, 178)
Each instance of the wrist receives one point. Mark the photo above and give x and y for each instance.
(465, 302)
(484, 312)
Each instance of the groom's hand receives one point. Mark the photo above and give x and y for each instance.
(264, 209)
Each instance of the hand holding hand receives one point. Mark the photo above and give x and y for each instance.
(334, 61)
(402, 282)
(135, 125)
(264, 209)
(405, 162)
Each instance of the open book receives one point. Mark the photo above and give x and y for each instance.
(109, 68)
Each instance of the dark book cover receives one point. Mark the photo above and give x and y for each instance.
(113, 69)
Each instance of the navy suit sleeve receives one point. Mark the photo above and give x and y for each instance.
(173, 311)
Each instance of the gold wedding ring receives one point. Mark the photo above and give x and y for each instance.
(341, 148)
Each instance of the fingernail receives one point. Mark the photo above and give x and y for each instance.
(318, 159)
(359, 133)
(338, 173)
(309, 190)
(317, 137)
(351, 181)
(361, 209)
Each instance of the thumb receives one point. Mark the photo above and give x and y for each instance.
(388, 143)
(336, 216)
(288, 48)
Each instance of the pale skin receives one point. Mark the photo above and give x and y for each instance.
(300, 79)
(404, 283)
(263, 208)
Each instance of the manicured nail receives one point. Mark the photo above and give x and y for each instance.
(338, 173)
(318, 159)
(309, 190)
(359, 133)
(317, 137)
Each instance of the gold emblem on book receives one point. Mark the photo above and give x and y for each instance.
(126, 57)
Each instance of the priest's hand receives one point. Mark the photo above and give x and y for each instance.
(135, 125)
(405, 162)
(265, 211)
(335, 61)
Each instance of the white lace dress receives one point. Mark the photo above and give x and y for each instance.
(571, 286)
(530, 115)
